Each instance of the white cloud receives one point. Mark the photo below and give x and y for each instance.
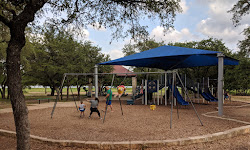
(114, 54)
(173, 35)
(219, 24)
(184, 6)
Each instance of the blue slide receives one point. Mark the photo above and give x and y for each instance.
(211, 96)
(208, 97)
(178, 96)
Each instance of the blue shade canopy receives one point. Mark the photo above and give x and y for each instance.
(171, 57)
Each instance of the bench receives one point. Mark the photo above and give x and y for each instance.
(40, 99)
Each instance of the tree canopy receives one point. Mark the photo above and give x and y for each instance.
(56, 53)
(122, 16)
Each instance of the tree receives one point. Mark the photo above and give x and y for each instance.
(4, 38)
(244, 44)
(240, 77)
(56, 53)
(240, 9)
(197, 73)
(112, 14)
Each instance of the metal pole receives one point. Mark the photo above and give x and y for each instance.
(185, 86)
(74, 98)
(146, 90)
(220, 83)
(105, 111)
(198, 90)
(57, 97)
(96, 81)
(165, 89)
(176, 94)
(172, 101)
(190, 100)
(143, 96)
(120, 104)
(212, 89)
(208, 82)
(108, 98)
(158, 103)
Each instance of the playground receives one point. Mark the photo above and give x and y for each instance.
(138, 123)
(165, 111)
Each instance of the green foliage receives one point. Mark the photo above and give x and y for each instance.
(244, 45)
(241, 8)
(57, 53)
(196, 74)
(122, 17)
(238, 77)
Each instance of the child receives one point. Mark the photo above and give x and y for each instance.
(108, 98)
(121, 90)
(94, 107)
(82, 109)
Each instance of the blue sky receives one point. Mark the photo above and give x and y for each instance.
(199, 20)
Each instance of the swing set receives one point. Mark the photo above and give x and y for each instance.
(174, 99)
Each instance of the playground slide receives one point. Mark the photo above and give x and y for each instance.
(211, 96)
(178, 96)
(206, 97)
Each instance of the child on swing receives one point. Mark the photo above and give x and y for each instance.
(82, 109)
(121, 89)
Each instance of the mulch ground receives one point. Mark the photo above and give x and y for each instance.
(138, 123)
(235, 143)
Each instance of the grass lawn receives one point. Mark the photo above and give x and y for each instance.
(32, 94)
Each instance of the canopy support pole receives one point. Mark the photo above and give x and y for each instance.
(96, 81)
(220, 83)
(172, 101)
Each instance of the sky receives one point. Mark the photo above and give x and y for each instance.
(200, 19)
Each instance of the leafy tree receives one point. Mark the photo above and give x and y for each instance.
(4, 38)
(60, 53)
(240, 9)
(244, 44)
(112, 14)
(239, 76)
(196, 74)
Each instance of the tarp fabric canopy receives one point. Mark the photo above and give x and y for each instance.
(171, 57)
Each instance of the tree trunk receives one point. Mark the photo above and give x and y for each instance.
(19, 107)
(52, 93)
(4, 91)
(61, 92)
(67, 93)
